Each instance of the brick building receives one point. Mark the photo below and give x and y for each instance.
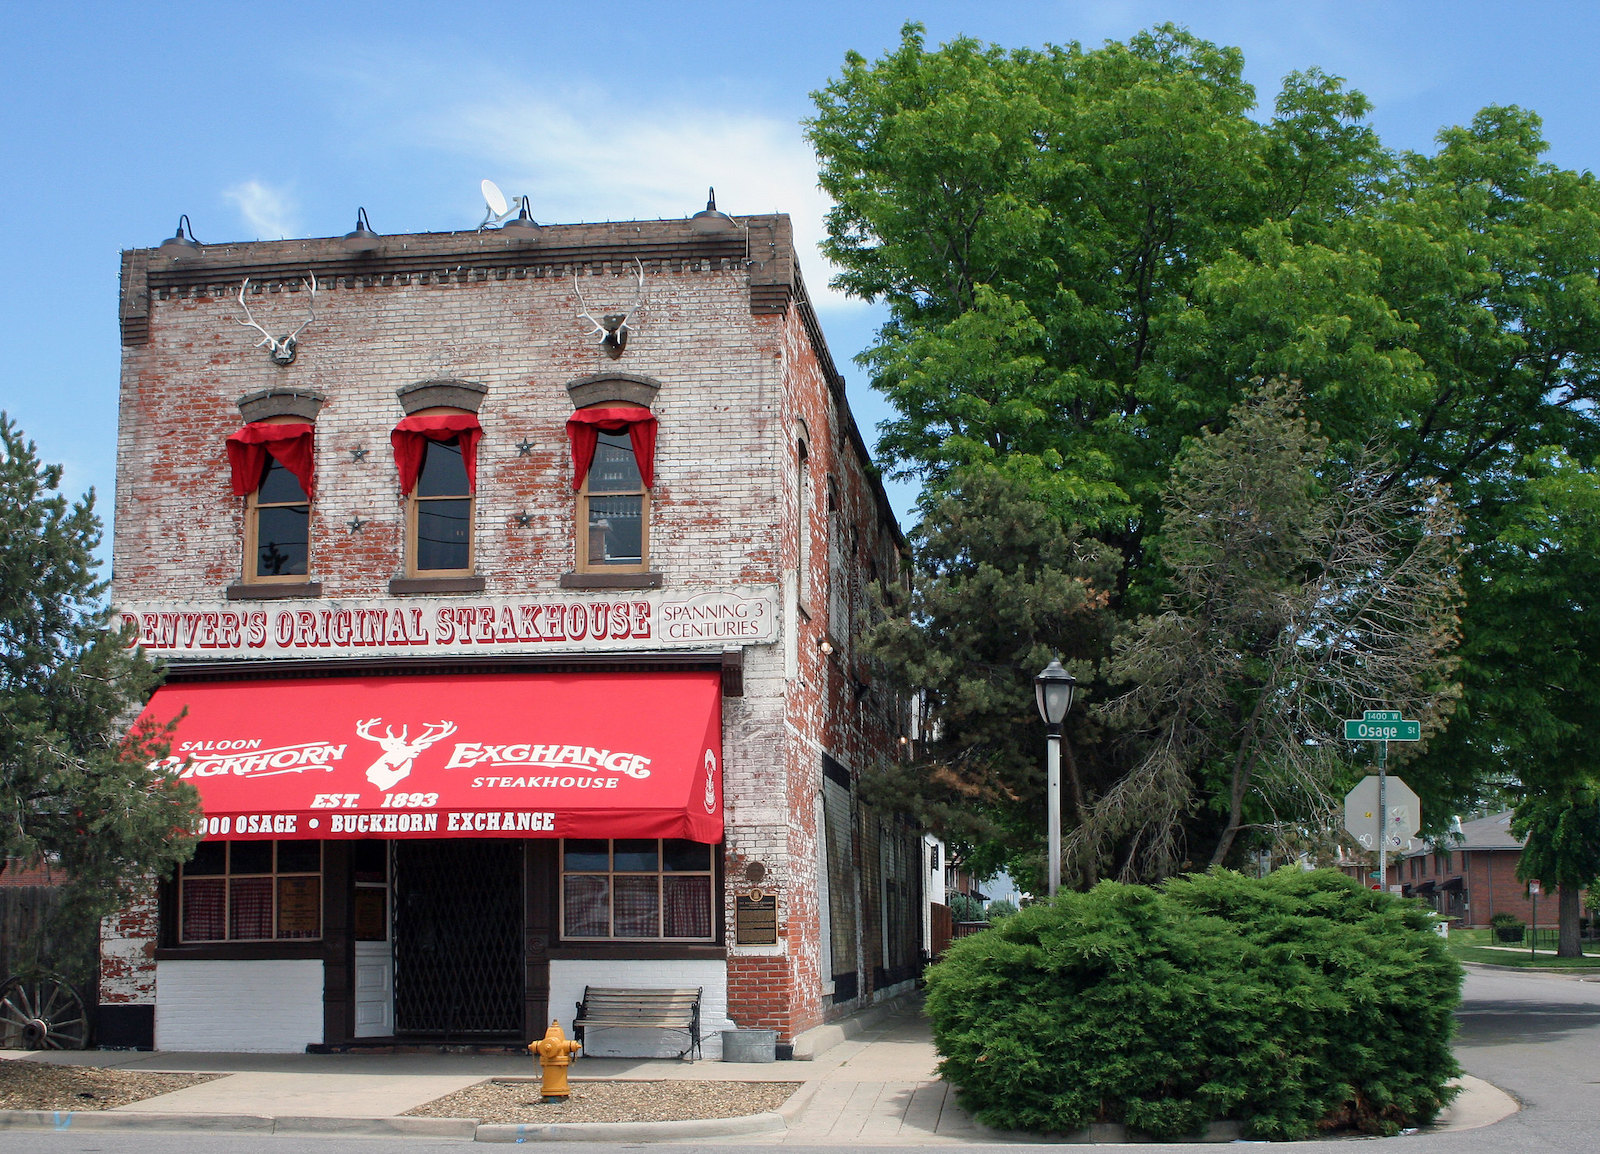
(513, 607)
(1474, 876)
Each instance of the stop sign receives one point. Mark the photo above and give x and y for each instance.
(1401, 823)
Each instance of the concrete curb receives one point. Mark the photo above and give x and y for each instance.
(633, 1131)
(132, 1120)
(764, 1123)
(1479, 1104)
(379, 1127)
(795, 1103)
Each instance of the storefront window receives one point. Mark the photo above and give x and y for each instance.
(613, 457)
(640, 888)
(251, 891)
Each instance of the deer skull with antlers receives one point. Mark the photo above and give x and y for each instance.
(281, 348)
(612, 328)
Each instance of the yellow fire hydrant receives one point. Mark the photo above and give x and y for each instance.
(555, 1055)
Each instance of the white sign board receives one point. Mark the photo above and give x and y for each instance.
(1361, 814)
(431, 626)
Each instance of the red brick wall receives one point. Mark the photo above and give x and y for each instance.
(761, 995)
(21, 873)
(1489, 878)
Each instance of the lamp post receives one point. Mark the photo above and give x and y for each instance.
(1053, 689)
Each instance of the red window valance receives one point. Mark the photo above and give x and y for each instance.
(411, 436)
(585, 426)
(289, 445)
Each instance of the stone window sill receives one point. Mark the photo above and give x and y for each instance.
(275, 591)
(401, 586)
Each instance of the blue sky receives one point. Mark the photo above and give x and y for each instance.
(278, 119)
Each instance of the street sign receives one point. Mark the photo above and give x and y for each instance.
(1368, 730)
(1381, 715)
(1361, 814)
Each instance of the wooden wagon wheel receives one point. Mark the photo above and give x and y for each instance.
(41, 1011)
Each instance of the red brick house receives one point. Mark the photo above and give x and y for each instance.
(511, 581)
(1476, 877)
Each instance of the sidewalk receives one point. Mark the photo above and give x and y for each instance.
(876, 1088)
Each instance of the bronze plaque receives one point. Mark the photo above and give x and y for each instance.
(755, 919)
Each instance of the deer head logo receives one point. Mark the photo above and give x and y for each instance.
(711, 782)
(399, 752)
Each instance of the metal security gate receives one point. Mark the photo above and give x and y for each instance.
(458, 969)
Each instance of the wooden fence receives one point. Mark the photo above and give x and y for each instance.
(26, 937)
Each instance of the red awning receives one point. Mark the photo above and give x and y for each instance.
(489, 755)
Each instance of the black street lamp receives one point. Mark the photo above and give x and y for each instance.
(1053, 689)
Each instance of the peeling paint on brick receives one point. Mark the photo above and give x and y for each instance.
(727, 332)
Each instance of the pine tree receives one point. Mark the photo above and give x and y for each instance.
(78, 792)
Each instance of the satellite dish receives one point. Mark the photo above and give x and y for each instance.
(497, 208)
(494, 198)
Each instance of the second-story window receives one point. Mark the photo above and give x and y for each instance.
(271, 463)
(279, 527)
(612, 505)
(613, 450)
(441, 512)
(435, 452)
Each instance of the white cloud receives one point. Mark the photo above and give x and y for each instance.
(589, 160)
(269, 211)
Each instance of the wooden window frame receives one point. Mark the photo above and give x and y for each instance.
(227, 876)
(252, 522)
(413, 500)
(804, 584)
(661, 872)
(581, 540)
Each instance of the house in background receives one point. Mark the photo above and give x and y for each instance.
(1475, 877)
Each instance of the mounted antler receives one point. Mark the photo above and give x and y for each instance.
(614, 326)
(281, 348)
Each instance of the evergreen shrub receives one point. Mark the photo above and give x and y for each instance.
(1507, 927)
(1291, 1003)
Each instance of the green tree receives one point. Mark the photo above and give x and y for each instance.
(1036, 222)
(1561, 826)
(77, 788)
(1003, 587)
(1303, 590)
(1531, 690)
(1088, 255)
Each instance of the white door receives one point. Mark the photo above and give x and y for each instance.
(374, 962)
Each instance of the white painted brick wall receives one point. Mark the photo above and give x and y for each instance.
(568, 978)
(264, 1007)
(718, 456)
(734, 387)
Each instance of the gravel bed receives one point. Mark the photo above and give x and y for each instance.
(42, 1086)
(613, 1100)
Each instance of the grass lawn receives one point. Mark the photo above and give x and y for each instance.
(1479, 946)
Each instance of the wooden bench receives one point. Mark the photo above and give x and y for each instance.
(641, 1009)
